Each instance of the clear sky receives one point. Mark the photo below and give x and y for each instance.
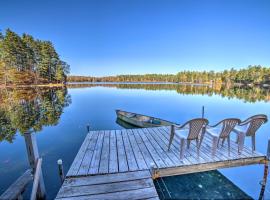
(107, 37)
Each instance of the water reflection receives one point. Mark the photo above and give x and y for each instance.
(24, 109)
(247, 94)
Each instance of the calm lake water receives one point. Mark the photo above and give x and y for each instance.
(59, 117)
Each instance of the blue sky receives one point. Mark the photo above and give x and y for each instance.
(107, 37)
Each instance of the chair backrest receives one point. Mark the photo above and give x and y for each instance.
(255, 123)
(195, 127)
(227, 126)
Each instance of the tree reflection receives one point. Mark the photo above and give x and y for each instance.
(247, 94)
(24, 109)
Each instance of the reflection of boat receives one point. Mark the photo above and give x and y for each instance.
(141, 120)
(125, 124)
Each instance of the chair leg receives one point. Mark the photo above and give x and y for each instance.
(253, 142)
(214, 147)
(171, 136)
(237, 138)
(182, 148)
(241, 141)
(202, 136)
(198, 147)
(188, 143)
(229, 145)
(223, 140)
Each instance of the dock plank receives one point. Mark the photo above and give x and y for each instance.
(122, 158)
(163, 154)
(143, 193)
(94, 166)
(127, 185)
(83, 170)
(79, 157)
(113, 161)
(159, 161)
(137, 152)
(132, 162)
(147, 156)
(105, 154)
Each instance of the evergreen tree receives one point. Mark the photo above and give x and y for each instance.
(24, 60)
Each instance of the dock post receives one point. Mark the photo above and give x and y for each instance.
(33, 156)
(88, 128)
(265, 174)
(153, 171)
(202, 111)
(61, 170)
(268, 150)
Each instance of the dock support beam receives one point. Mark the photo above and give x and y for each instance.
(33, 156)
(265, 174)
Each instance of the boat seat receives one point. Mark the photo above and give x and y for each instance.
(130, 115)
(155, 121)
(143, 118)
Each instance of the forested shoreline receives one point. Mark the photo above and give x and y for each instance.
(256, 75)
(25, 60)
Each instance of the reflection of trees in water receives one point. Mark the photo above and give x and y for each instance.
(26, 109)
(248, 94)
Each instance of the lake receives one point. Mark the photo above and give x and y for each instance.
(59, 117)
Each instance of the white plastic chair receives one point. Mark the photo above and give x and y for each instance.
(222, 130)
(191, 130)
(249, 128)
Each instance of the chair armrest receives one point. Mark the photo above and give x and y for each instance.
(236, 131)
(209, 126)
(176, 125)
(211, 133)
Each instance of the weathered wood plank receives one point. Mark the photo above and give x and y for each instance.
(176, 143)
(144, 193)
(107, 178)
(105, 188)
(159, 161)
(175, 148)
(154, 135)
(221, 152)
(73, 170)
(163, 154)
(15, 190)
(209, 166)
(105, 154)
(137, 152)
(147, 156)
(97, 154)
(122, 159)
(202, 156)
(83, 170)
(113, 160)
(132, 163)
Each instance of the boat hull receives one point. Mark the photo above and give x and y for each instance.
(123, 115)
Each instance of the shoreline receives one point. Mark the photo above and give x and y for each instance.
(50, 85)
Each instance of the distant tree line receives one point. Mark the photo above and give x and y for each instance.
(26, 60)
(251, 75)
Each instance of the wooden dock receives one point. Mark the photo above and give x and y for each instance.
(118, 164)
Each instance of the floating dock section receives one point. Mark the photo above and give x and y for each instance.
(121, 164)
